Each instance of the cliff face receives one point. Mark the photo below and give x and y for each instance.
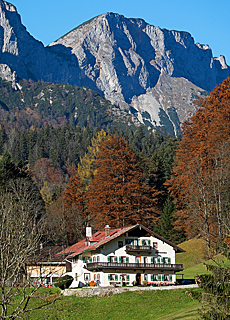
(150, 72)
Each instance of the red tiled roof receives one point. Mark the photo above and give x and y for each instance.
(99, 240)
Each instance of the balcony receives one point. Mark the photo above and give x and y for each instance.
(139, 249)
(144, 267)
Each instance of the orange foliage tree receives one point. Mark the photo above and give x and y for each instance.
(75, 208)
(117, 194)
(202, 171)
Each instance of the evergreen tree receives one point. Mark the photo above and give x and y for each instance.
(215, 289)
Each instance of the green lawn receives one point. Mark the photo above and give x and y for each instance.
(167, 304)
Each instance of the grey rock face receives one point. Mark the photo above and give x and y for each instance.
(142, 69)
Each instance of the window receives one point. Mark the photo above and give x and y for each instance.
(145, 260)
(154, 277)
(112, 259)
(166, 277)
(124, 277)
(120, 244)
(98, 259)
(75, 276)
(129, 241)
(145, 242)
(145, 277)
(87, 276)
(86, 259)
(112, 277)
(122, 259)
(154, 260)
(155, 245)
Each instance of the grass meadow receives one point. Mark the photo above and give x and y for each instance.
(159, 305)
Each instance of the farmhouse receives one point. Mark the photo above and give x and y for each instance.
(124, 256)
(45, 266)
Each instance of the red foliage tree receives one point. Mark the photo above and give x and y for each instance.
(117, 195)
(76, 217)
(201, 175)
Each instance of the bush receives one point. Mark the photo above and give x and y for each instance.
(63, 282)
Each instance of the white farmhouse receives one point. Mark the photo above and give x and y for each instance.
(124, 256)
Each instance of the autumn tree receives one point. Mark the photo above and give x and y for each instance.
(202, 171)
(117, 195)
(48, 179)
(87, 165)
(76, 216)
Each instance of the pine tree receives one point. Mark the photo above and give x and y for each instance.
(215, 289)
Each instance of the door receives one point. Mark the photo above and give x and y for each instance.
(138, 279)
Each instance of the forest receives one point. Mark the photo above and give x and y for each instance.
(69, 166)
(55, 181)
(86, 175)
(92, 176)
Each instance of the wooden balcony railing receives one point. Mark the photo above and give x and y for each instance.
(133, 248)
(134, 266)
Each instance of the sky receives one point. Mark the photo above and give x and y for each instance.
(206, 20)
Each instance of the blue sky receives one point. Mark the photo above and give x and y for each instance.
(207, 20)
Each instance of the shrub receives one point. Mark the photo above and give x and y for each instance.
(63, 282)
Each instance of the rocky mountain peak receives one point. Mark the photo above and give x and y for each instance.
(133, 64)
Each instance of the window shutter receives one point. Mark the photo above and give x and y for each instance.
(116, 277)
(127, 259)
(83, 259)
(143, 242)
(127, 277)
(152, 277)
(108, 259)
(158, 260)
(120, 259)
(163, 277)
(170, 277)
(169, 260)
(90, 259)
(98, 276)
(149, 242)
(159, 277)
(115, 259)
(108, 276)
(152, 260)
(162, 260)
(98, 259)
(132, 242)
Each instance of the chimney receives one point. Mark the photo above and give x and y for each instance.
(107, 230)
(88, 232)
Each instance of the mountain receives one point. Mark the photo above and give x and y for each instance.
(152, 74)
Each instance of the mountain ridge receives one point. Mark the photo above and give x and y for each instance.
(131, 63)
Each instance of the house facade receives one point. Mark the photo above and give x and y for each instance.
(124, 256)
(45, 266)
